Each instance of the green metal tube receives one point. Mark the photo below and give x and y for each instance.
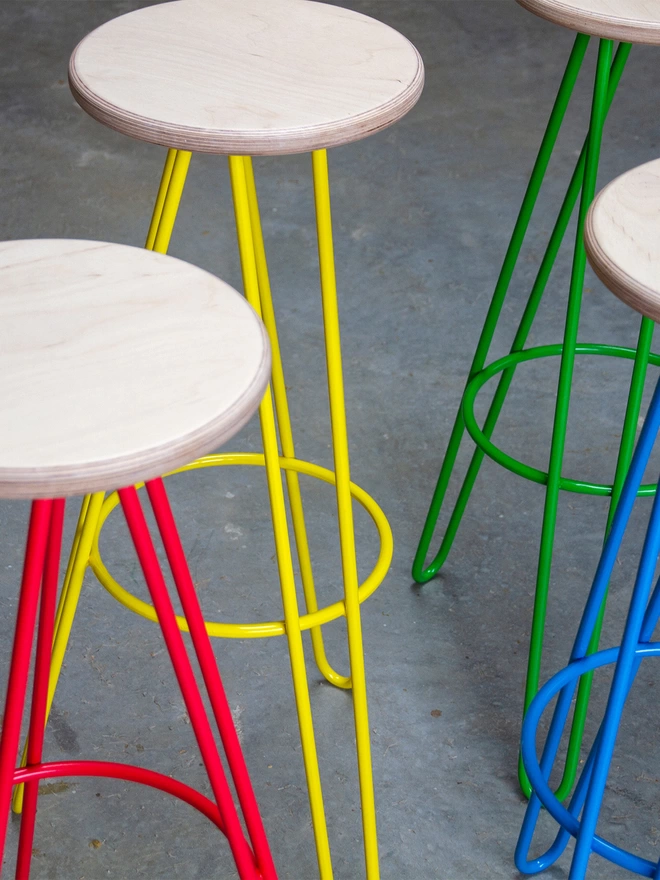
(598, 113)
(421, 574)
(526, 322)
(527, 472)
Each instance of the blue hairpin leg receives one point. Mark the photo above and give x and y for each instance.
(639, 627)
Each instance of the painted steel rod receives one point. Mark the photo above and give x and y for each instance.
(185, 676)
(63, 607)
(47, 609)
(171, 200)
(580, 649)
(286, 435)
(598, 115)
(632, 412)
(62, 631)
(531, 308)
(128, 773)
(214, 686)
(159, 205)
(421, 573)
(26, 615)
(281, 534)
(618, 692)
(581, 664)
(626, 449)
(266, 628)
(345, 506)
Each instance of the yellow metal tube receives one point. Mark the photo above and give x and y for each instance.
(172, 199)
(286, 434)
(345, 506)
(262, 629)
(237, 173)
(160, 199)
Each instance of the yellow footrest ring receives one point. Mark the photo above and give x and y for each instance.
(268, 628)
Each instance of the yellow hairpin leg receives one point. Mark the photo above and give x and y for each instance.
(237, 170)
(163, 190)
(158, 238)
(345, 506)
(167, 208)
(80, 526)
(286, 435)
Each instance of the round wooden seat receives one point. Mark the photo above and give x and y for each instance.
(632, 21)
(246, 77)
(117, 365)
(622, 236)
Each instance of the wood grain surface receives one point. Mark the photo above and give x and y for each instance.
(622, 237)
(117, 365)
(246, 77)
(633, 21)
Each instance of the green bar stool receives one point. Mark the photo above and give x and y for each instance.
(628, 21)
(242, 78)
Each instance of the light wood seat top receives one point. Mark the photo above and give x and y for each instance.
(116, 365)
(246, 77)
(633, 21)
(622, 237)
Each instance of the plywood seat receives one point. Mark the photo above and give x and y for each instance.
(117, 365)
(622, 236)
(246, 77)
(632, 21)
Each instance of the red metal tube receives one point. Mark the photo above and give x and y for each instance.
(40, 689)
(139, 530)
(214, 686)
(116, 770)
(35, 552)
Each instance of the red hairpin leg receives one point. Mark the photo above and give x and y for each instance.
(243, 856)
(35, 554)
(40, 689)
(214, 686)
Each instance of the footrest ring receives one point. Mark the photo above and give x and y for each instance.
(268, 628)
(540, 787)
(513, 464)
(116, 770)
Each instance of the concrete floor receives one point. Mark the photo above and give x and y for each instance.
(422, 212)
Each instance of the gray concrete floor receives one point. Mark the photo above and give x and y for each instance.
(423, 213)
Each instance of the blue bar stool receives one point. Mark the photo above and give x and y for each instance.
(622, 236)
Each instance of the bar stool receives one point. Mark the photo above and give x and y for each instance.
(632, 21)
(622, 239)
(110, 377)
(242, 79)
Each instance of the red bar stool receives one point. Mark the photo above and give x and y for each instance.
(110, 377)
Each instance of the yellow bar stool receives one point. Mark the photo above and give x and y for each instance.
(258, 77)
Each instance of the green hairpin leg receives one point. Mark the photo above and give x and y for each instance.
(420, 573)
(609, 73)
(598, 113)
